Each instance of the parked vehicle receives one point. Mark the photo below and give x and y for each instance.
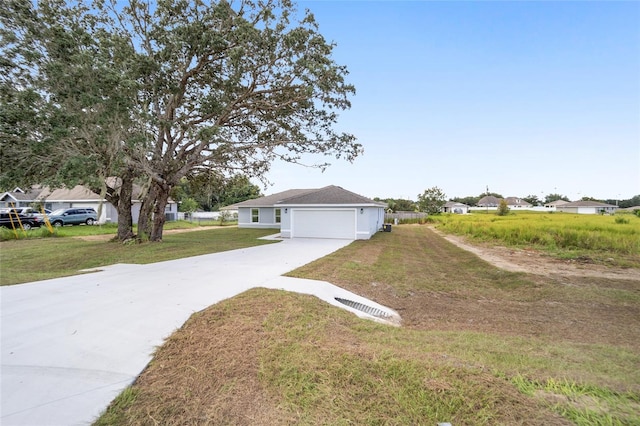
(21, 210)
(28, 210)
(73, 216)
(12, 220)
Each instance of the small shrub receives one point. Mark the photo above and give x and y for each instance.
(503, 208)
(621, 220)
(225, 215)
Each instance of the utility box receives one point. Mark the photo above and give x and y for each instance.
(386, 227)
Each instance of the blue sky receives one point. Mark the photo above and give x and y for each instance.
(523, 97)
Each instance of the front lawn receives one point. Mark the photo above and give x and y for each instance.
(38, 259)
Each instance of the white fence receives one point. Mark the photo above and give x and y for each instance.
(205, 216)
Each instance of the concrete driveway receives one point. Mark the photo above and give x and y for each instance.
(70, 345)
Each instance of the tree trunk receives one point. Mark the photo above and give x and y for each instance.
(125, 220)
(103, 195)
(162, 197)
(144, 220)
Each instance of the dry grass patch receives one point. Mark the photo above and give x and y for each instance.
(478, 346)
(270, 357)
(435, 285)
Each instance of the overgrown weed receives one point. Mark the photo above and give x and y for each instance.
(566, 235)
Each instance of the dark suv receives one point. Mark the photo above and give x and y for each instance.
(74, 216)
(12, 220)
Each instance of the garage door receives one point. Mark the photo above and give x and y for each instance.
(323, 224)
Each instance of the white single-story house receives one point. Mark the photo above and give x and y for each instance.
(553, 205)
(454, 207)
(329, 212)
(78, 196)
(587, 207)
(517, 203)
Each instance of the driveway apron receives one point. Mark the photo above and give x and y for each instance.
(70, 345)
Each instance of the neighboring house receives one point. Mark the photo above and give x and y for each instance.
(329, 212)
(517, 203)
(78, 196)
(488, 201)
(587, 207)
(454, 207)
(554, 204)
(19, 198)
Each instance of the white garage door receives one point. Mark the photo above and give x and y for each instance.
(323, 224)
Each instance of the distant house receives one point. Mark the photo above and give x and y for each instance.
(18, 198)
(78, 196)
(587, 207)
(329, 212)
(554, 204)
(488, 201)
(517, 203)
(454, 207)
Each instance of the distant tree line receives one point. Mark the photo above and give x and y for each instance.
(398, 204)
(623, 204)
(435, 197)
(209, 191)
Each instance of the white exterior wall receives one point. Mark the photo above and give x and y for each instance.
(266, 218)
(366, 224)
(586, 210)
(285, 225)
(339, 219)
(244, 217)
(370, 223)
(171, 211)
(464, 209)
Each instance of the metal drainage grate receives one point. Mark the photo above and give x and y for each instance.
(378, 313)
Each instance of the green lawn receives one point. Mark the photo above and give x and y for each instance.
(33, 259)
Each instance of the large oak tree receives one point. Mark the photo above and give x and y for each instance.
(205, 85)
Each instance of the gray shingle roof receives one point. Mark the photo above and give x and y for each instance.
(76, 193)
(328, 195)
(454, 204)
(557, 203)
(32, 194)
(587, 204)
(516, 201)
(488, 200)
(269, 200)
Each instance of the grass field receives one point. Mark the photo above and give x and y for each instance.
(34, 259)
(478, 346)
(7, 234)
(600, 238)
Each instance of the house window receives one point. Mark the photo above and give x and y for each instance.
(255, 215)
(278, 217)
